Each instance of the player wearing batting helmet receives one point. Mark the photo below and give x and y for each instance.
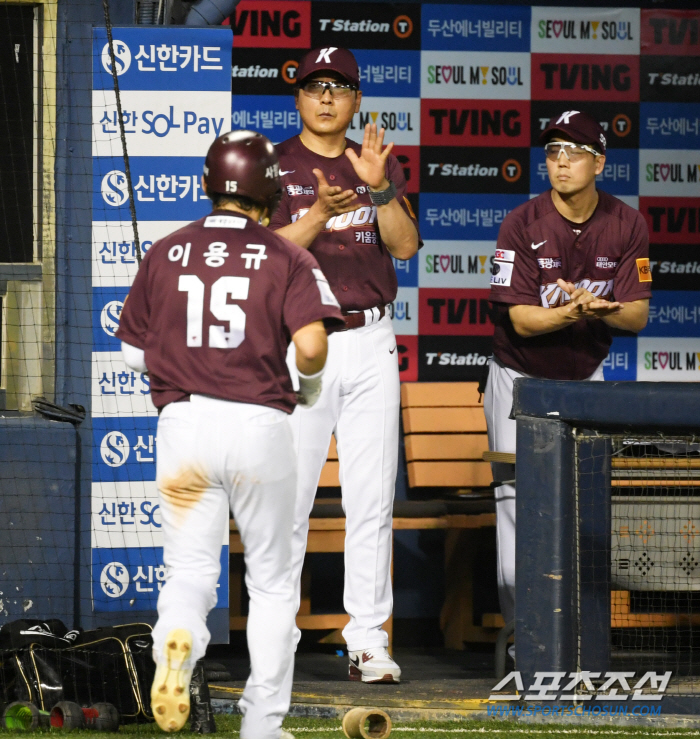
(345, 204)
(210, 316)
(570, 265)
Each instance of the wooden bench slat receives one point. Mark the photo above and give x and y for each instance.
(445, 446)
(443, 394)
(652, 463)
(330, 475)
(449, 474)
(332, 450)
(444, 420)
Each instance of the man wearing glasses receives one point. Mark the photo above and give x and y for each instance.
(345, 203)
(570, 265)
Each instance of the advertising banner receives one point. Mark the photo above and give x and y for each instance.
(175, 89)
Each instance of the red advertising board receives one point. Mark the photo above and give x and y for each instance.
(475, 122)
(452, 312)
(275, 24)
(672, 220)
(671, 32)
(585, 77)
(409, 159)
(407, 350)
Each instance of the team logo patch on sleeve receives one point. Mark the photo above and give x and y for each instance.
(505, 255)
(644, 270)
(501, 274)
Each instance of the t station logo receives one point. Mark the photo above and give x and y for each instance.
(670, 32)
(670, 79)
(590, 77)
(279, 24)
(674, 267)
(466, 123)
(264, 71)
(453, 358)
(451, 169)
(365, 25)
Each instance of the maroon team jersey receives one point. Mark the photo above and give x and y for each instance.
(349, 249)
(214, 306)
(607, 255)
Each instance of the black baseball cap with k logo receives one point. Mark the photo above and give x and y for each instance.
(578, 127)
(330, 59)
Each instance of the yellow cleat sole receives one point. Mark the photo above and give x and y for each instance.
(170, 694)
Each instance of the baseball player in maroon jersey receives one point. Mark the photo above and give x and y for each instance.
(210, 315)
(570, 265)
(345, 204)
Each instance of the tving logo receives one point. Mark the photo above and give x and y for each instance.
(115, 449)
(122, 57)
(114, 579)
(115, 190)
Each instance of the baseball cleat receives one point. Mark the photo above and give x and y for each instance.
(170, 694)
(373, 665)
(286, 735)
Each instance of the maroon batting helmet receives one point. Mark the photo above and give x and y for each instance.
(244, 163)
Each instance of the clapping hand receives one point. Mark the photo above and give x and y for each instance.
(370, 166)
(586, 305)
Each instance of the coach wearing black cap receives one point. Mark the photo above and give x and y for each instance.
(570, 265)
(346, 204)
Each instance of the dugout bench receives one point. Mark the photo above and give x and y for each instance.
(444, 437)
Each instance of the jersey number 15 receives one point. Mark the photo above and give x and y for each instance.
(219, 336)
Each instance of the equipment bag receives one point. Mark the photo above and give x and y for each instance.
(111, 664)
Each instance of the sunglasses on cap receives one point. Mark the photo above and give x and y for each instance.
(573, 152)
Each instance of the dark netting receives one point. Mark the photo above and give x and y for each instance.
(638, 544)
(81, 562)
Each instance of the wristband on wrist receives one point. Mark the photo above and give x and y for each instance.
(310, 377)
(382, 197)
(309, 388)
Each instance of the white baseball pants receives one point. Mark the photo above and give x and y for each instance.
(359, 403)
(213, 454)
(498, 402)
